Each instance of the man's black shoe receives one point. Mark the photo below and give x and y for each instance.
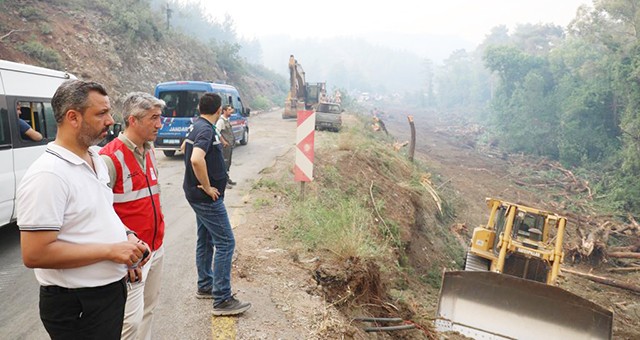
(230, 306)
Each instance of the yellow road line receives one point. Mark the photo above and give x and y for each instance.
(223, 327)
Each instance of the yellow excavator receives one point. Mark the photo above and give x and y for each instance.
(302, 95)
(508, 289)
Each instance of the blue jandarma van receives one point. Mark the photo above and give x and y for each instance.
(182, 99)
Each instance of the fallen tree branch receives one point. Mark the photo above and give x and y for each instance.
(375, 207)
(11, 32)
(605, 281)
(426, 183)
(443, 184)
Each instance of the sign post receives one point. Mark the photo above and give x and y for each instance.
(303, 170)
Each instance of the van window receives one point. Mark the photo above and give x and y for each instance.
(39, 116)
(238, 105)
(181, 103)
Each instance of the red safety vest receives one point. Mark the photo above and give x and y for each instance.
(136, 194)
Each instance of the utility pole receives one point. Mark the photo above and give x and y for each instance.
(169, 11)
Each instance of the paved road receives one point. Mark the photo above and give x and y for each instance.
(180, 315)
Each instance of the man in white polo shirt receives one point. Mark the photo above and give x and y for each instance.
(69, 231)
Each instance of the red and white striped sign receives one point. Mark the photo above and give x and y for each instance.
(303, 170)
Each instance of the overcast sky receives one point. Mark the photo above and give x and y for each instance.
(468, 19)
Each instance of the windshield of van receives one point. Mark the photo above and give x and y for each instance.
(181, 103)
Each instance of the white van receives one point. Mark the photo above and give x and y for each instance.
(25, 93)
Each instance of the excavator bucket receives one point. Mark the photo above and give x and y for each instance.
(487, 305)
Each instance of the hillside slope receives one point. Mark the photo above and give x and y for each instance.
(122, 44)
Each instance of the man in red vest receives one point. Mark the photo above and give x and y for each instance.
(133, 176)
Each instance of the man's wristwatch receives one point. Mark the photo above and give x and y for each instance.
(129, 232)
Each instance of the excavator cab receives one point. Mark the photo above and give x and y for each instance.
(508, 287)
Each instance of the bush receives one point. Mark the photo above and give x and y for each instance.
(45, 28)
(133, 20)
(261, 103)
(30, 13)
(49, 57)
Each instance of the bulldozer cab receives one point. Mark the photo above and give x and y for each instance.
(525, 218)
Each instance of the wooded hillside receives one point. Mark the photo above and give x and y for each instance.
(128, 46)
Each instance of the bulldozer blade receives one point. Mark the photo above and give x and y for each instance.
(487, 305)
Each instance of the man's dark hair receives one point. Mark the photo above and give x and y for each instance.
(209, 103)
(73, 95)
(228, 106)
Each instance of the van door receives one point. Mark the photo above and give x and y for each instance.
(7, 176)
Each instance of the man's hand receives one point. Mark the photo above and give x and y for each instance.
(211, 191)
(134, 239)
(200, 171)
(225, 143)
(135, 274)
(127, 252)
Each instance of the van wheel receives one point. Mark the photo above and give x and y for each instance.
(245, 137)
(169, 153)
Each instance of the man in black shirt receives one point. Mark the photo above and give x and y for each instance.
(205, 180)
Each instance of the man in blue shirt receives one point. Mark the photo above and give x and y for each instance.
(26, 132)
(205, 180)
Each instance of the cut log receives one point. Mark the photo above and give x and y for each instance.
(624, 269)
(605, 280)
(635, 248)
(624, 255)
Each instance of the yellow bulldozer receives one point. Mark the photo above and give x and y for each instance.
(508, 289)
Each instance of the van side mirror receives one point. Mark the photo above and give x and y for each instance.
(246, 112)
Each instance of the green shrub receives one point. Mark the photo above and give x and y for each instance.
(261, 202)
(49, 57)
(261, 103)
(266, 183)
(30, 13)
(45, 28)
